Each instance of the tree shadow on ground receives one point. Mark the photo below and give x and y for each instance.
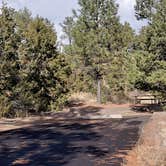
(76, 113)
(147, 108)
(66, 143)
(75, 103)
(86, 110)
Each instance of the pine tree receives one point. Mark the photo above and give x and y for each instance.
(94, 40)
(155, 45)
(145, 9)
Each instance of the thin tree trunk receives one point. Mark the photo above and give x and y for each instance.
(99, 91)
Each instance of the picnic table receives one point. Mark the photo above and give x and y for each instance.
(148, 99)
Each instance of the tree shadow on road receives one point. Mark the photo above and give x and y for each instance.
(147, 108)
(69, 143)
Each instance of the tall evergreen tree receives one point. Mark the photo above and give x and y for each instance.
(94, 38)
(67, 27)
(33, 75)
(9, 61)
(43, 70)
(154, 41)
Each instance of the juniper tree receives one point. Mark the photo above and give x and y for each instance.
(33, 74)
(44, 70)
(9, 61)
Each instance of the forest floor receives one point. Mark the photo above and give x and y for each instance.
(79, 110)
(85, 110)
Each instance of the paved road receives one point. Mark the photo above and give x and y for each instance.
(66, 143)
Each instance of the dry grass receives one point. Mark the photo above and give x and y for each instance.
(83, 97)
(150, 156)
(151, 147)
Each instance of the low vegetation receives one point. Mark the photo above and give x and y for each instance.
(150, 149)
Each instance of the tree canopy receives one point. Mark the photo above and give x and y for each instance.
(100, 55)
(97, 40)
(33, 73)
(154, 44)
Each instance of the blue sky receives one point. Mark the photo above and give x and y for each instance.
(57, 10)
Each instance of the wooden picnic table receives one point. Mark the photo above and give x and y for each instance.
(148, 99)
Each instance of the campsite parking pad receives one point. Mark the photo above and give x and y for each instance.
(70, 143)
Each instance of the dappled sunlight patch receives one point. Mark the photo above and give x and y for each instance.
(20, 161)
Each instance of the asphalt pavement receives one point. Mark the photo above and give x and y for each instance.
(71, 142)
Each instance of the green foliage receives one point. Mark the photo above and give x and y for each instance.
(154, 43)
(96, 47)
(145, 8)
(33, 74)
(9, 61)
(43, 69)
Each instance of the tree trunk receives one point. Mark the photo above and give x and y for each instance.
(99, 91)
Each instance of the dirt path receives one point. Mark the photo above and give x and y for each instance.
(70, 143)
(76, 111)
(104, 110)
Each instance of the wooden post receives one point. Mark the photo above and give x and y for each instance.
(135, 99)
(99, 91)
